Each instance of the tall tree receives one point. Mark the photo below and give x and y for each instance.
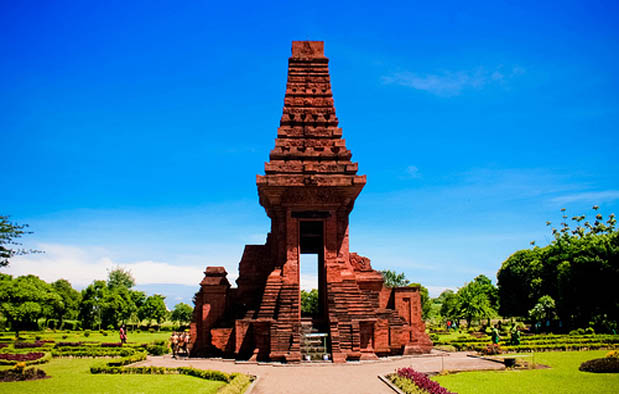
(182, 313)
(119, 277)
(70, 300)
(579, 269)
(449, 304)
(9, 232)
(91, 306)
(25, 299)
(153, 309)
(473, 303)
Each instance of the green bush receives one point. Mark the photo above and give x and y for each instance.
(157, 350)
(87, 333)
(589, 331)
(206, 374)
(601, 365)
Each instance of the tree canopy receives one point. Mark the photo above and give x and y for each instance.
(153, 309)
(579, 270)
(475, 300)
(25, 299)
(119, 277)
(182, 313)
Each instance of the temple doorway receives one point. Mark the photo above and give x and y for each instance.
(314, 337)
(311, 259)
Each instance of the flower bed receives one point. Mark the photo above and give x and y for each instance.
(27, 358)
(413, 382)
(22, 356)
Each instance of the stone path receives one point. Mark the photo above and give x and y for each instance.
(357, 378)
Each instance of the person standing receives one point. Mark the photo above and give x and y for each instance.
(123, 334)
(174, 344)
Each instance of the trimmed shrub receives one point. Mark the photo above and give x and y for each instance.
(93, 352)
(20, 373)
(157, 350)
(601, 365)
(207, 374)
(236, 385)
(87, 333)
(27, 345)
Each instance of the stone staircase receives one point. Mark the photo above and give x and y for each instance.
(313, 343)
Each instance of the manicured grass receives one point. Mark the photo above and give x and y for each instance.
(563, 377)
(73, 376)
(452, 336)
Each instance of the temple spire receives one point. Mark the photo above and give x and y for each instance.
(309, 148)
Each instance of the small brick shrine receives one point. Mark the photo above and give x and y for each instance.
(308, 190)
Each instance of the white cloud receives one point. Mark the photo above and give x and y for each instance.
(592, 197)
(82, 265)
(413, 172)
(452, 83)
(435, 291)
(308, 281)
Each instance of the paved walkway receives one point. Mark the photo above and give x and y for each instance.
(357, 378)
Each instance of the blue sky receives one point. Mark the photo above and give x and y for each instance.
(132, 132)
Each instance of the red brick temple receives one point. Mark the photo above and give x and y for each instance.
(308, 190)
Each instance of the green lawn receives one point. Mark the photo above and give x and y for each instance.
(563, 377)
(73, 376)
(76, 336)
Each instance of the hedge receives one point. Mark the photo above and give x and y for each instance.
(115, 364)
(93, 352)
(236, 382)
(536, 347)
